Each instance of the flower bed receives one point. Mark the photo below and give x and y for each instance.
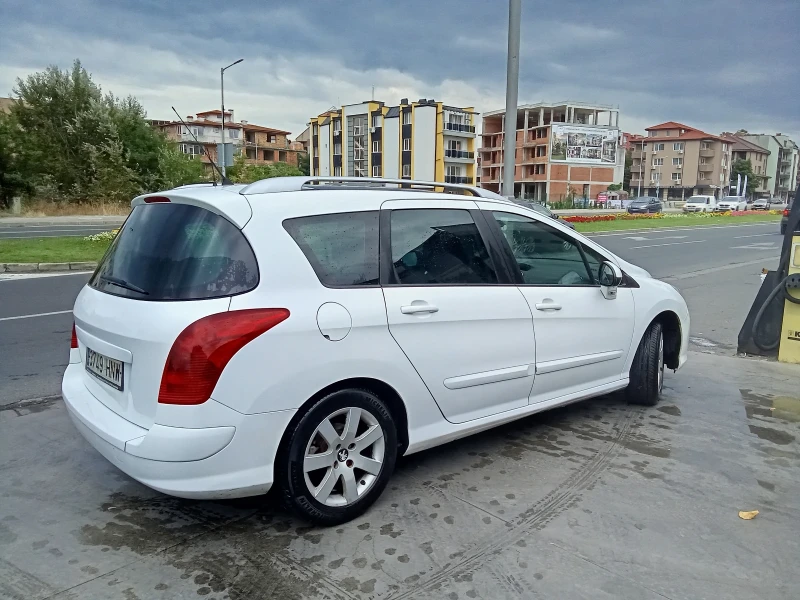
(623, 216)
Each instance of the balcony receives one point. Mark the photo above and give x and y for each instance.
(457, 179)
(459, 129)
(706, 167)
(706, 152)
(448, 153)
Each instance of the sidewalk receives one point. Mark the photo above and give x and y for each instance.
(88, 220)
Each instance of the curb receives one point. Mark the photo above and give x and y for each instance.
(46, 267)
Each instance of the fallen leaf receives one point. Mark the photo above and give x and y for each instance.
(747, 515)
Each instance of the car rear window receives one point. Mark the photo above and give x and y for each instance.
(170, 251)
(342, 248)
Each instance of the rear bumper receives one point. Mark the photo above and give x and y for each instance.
(232, 460)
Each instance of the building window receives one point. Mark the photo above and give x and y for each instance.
(376, 146)
(705, 146)
(658, 147)
(234, 133)
(273, 139)
(676, 177)
(356, 129)
(453, 144)
(654, 177)
(703, 161)
(406, 144)
(677, 162)
(337, 125)
(376, 120)
(453, 171)
(337, 148)
(407, 118)
(724, 147)
(406, 170)
(376, 170)
(678, 146)
(337, 171)
(315, 129)
(657, 162)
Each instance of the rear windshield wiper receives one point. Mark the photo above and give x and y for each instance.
(123, 284)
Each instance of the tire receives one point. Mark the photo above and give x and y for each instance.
(783, 229)
(337, 490)
(647, 370)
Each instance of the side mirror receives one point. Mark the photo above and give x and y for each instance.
(610, 277)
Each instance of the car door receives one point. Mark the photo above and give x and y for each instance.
(582, 338)
(452, 308)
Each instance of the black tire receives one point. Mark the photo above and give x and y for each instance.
(783, 229)
(289, 469)
(647, 370)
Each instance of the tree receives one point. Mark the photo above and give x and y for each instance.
(304, 163)
(12, 181)
(177, 168)
(745, 168)
(614, 187)
(626, 177)
(244, 172)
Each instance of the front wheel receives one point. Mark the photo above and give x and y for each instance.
(647, 370)
(338, 457)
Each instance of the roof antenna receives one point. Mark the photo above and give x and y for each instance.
(223, 179)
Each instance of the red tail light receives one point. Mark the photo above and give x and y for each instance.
(785, 212)
(74, 341)
(151, 199)
(202, 350)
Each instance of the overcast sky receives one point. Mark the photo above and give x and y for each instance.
(712, 64)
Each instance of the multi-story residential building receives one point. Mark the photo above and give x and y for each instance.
(562, 150)
(677, 161)
(260, 145)
(782, 163)
(742, 149)
(424, 140)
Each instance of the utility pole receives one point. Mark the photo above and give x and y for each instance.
(222, 99)
(512, 92)
(641, 167)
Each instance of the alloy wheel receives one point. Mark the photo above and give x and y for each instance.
(344, 457)
(660, 363)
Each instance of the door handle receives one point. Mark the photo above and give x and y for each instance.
(547, 306)
(413, 309)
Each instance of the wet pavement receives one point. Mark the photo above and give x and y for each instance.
(595, 500)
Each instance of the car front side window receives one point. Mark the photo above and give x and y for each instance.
(545, 255)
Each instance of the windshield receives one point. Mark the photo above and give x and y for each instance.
(697, 200)
(641, 201)
(543, 210)
(731, 199)
(170, 251)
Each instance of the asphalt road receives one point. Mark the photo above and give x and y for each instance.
(37, 231)
(717, 269)
(595, 500)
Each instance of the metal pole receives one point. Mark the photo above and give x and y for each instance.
(512, 91)
(222, 104)
(641, 167)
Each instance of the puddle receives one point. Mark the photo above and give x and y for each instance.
(781, 408)
(772, 435)
(670, 410)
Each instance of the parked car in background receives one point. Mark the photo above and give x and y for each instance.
(700, 204)
(645, 204)
(301, 336)
(543, 210)
(785, 217)
(731, 203)
(760, 204)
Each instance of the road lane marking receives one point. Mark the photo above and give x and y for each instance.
(42, 235)
(19, 276)
(757, 246)
(47, 314)
(684, 228)
(668, 244)
(736, 237)
(701, 272)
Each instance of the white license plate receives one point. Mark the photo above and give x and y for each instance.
(108, 370)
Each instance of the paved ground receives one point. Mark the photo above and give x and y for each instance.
(596, 500)
(27, 227)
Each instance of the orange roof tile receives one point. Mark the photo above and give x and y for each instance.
(670, 125)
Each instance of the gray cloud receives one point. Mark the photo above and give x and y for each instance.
(713, 64)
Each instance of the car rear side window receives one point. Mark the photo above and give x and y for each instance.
(342, 247)
(439, 246)
(170, 251)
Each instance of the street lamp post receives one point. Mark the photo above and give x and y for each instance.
(512, 87)
(222, 98)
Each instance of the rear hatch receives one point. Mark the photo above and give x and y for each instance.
(171, 264)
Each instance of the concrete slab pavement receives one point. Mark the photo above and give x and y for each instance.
(596, 500)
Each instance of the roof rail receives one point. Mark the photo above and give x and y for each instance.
(296, 184)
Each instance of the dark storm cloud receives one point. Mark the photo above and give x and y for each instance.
(713, 64)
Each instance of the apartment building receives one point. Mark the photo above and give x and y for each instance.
(424, 140)
(675, 161)
(742, 149)
(259, 144)
(566, 149)
(782, 163)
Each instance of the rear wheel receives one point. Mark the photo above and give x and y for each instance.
(647, 370)
(338, 458)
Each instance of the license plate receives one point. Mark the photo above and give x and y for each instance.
(108, 370)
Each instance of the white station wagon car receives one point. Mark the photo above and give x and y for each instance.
(304, 332)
